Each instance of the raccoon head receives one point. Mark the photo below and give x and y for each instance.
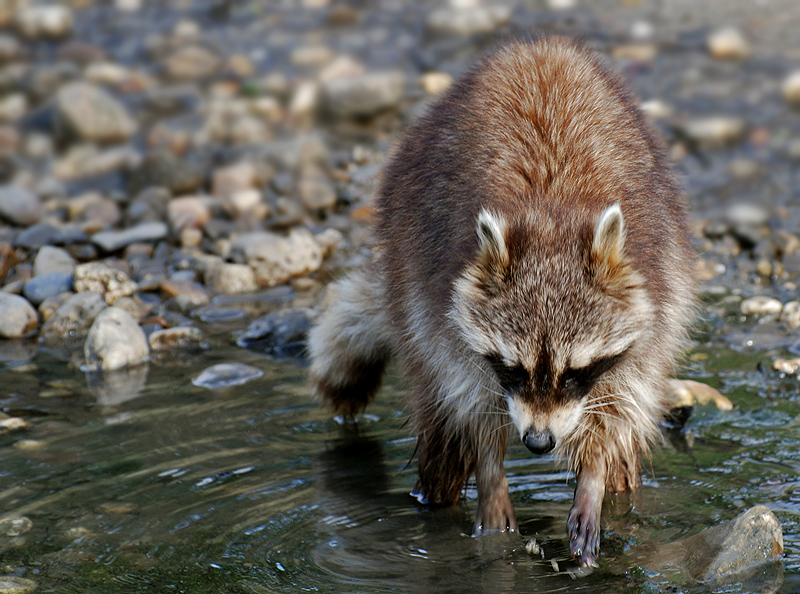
(553, 305)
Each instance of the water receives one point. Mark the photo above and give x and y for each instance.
(256, 489)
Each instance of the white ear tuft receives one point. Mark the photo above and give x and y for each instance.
(492, 240)
(609, 234)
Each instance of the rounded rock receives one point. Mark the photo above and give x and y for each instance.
(729, 44)
(17, 316)
(115, 341)
(93, 114)
(275, 258)
(20, 206)
(46, 286)
(181, 337)
(231, 279)
(74, 317)
(359, 96)
(10, 584)
(52, 259)
(226, 375)
(761, 305)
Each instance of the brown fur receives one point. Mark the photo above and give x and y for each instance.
(530, 233)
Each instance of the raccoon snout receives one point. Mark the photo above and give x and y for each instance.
(539, 443)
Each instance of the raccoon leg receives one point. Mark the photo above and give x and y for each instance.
(351, 343)
(495, 511)
(583, 525)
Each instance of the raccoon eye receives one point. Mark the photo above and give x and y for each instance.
(578, 382)
(512, 379)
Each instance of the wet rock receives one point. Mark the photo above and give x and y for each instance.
(115, 340)
(787, 366)
(10, 584)
(181, 337)
(191, 63)
(52, 259)
(687, 393)
(161, 169)
(231, 279)
(17, 316)
(111, 241)
(226, 375)
(276, 258)
(15, 526)
(366, 95)
(110, 282)
(791, 314)
(93, 114)
(791, 88)
(187, 294)
(715, 131)
(51, 304)
(723, 552)
(74, 317)
(42, 287)
(20, 206)
(45, 21)
(761, 305)
(114, 387)
(468, 20)
(729, 44)
(282, 334)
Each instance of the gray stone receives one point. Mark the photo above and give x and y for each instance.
(52, 259)
(41, 287)
(110, 282)
(74, 317)
(226, 375)
(275, 258)
(93, 114)
(181, 337)
(231, 279)
(191, 63)
(715, 131)
(162, 169)
(37, 236)
(112, 388)
(281, 334)
(17, 316)
(315, 190)
(20, 206)
(791, 314)
(115, 340)
(111, 241)
(358, 96)
(468, 20)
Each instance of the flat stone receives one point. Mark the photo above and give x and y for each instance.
(191, 63)
(231, 279)
(48, 285)
(181, 337)
(101, 278)
(115, 340)
(20, 206)
(52, 259)
(74, 317)
(468, 20)
(761, 305)
(226, 375)
(111, 241)
(93, 114)
(39, 235)
(729, 44)
(366, 95)
(17, 316)
(275, 258)
(714, 131)
(281, 334)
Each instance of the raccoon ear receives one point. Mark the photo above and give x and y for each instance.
(609, 237)
(493, 252)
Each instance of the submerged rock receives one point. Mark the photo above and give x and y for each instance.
(74, 317)
(10, 584)
(281, 334)
(115, 341)
(226, 375)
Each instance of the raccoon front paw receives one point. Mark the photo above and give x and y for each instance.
(584, 536)
(496, 515)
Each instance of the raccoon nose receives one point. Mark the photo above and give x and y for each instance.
(539, 443)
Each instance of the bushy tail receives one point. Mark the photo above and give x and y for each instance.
(351, 343)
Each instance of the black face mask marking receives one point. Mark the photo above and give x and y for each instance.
(577, 383)
(512, 378)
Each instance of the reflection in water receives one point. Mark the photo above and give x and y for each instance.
(112, 388)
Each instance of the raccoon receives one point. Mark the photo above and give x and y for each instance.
(532, 269)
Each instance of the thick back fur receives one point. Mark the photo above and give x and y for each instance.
(531, 239)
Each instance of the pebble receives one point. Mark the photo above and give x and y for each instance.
(45, 21)
(17, 316)
(74, 317)
(106, 280)
(111, 241)
(115, 340)
(20, 206)
(315, 189)
(468, 20)
(729, 44)
(791, 314)
(188, 294)
(15, 526)
(715, 131)
(366, 95)
(282, 334)
(761, 305)
(52, 259)
(276, 258)
(192, 63)
(787, 366)
(791, 88)
(746, 213)
(10, 584)
(46, 286)
(231, 279)
(226, 375)
(13, 107)
(181, 337)
(161, 169)
(188, 212)
(687, 393)
(435, 83)
(50, 305)
(93, 114)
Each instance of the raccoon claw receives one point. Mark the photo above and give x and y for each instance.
(495, 515)
(584, 538)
